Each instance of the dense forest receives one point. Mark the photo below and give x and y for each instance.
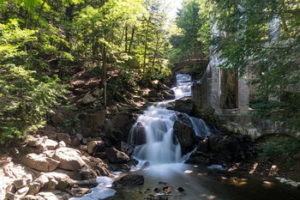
(44, 43)
(94, 86)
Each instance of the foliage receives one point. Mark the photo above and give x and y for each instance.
(279, 147)
(192, 38)
(25, 95)
(261, 39)
(42, 42)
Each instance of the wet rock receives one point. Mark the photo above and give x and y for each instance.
(138, 134)
(69, 158)
(95, 146)
(184, 105)
(129, 180)
(185, 134)
(87, 183)
(116, 156)
(168, 94)
(40, 162)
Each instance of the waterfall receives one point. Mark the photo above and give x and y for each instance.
(183, 86)
(161, 146)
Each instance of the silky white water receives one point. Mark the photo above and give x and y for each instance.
(183, 86)
(161, 145)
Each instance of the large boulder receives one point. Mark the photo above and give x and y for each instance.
(129, 180)
(69, 159)
(40, 162)
(138, 134)
(184, 105)
(116, 156)
(185, 134)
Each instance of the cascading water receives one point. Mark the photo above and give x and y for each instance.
(157, 121)
(183, 86)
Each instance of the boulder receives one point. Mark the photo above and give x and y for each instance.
(129, 180)
(116, 156)
(69, 158)
(184, 105)
(138, 134)
(95, 146)
(40, 162)
(185, 134)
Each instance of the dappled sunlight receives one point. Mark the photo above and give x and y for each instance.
(253, 168)
(208, 196)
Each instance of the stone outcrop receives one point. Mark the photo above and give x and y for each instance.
(70, 159)
(116, 156)
(184, 132)
(184, 105)
(40, 162)
(138, 134)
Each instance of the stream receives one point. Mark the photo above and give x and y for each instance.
(166, 175)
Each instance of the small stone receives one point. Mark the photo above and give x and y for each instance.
(180, 189)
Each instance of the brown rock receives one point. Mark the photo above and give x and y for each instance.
(40, 162)
(116, 156)
(69, 158)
